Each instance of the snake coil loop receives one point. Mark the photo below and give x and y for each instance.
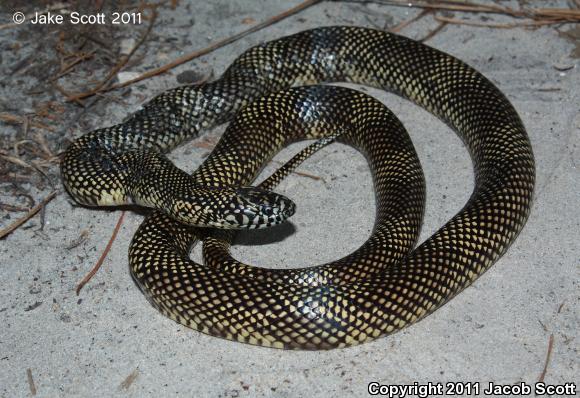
(383, 286)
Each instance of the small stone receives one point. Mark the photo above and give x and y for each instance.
(127, 45)
(65, 318)
(33, 306)
(563, 67)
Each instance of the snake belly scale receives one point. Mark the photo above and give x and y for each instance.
(379, 289)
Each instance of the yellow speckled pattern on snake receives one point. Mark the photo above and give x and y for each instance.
(383, 286)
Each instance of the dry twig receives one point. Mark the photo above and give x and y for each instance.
(9, 229)
(563, 302)
(118, 66)
(301, 173)
(9, 118)
(404, 24)
(538, 16)
(16, 161)
(19, 162)
(101, 259)
(206, 50)
(8, 207)
(31, 384)
(14, 178)
(455, 21)
(433, 32)
(548, 355)
(68, 67)
(40, 139)
(129, 380)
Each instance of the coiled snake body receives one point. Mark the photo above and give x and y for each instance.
(380, 288)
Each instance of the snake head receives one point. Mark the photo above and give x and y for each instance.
(252, 208)
(232, 208)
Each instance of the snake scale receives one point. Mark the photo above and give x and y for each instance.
(383, 286)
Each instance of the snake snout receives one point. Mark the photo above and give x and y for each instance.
(253, 208)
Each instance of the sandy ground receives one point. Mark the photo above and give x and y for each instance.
(496, 331)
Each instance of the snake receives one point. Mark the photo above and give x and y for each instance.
(279, 92)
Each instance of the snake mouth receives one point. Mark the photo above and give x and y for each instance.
(253, 208)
